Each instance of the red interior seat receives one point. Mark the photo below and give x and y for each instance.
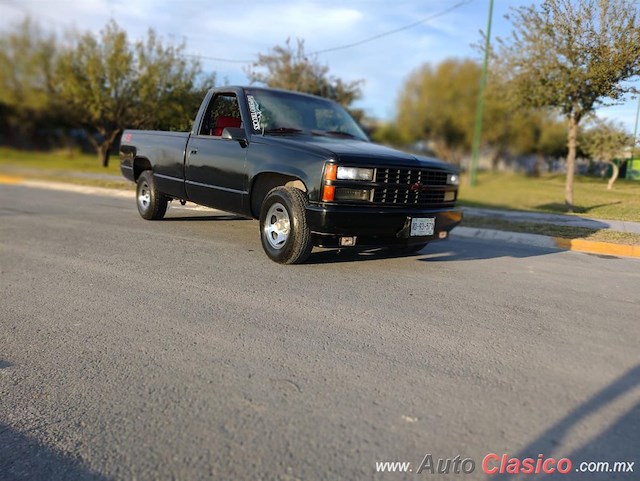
(226, 121)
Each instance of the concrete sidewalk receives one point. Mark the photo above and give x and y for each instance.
(555, 219)
(580, 245)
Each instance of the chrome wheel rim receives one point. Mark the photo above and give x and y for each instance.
(277, 226)
(144, 195)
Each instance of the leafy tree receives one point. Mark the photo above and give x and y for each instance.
(552, 138)
(108, 84)
(290, 68)
(27, 65)
(387, 133)
(572, 56)
(438, 103)
(604, 141)
(513, 129)
(539, 133)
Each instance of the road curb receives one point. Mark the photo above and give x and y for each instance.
(10, 179)
(548, 242)
(91, 190)
(78, 188)
(593, 247)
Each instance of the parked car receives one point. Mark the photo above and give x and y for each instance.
(302, 166)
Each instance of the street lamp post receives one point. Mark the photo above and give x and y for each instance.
(635, 140)
(477, 131)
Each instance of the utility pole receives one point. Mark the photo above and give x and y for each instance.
(635, 140)
(477, 131)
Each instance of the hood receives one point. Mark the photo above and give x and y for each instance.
(357, 151)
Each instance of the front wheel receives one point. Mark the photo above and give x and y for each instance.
(284, 232)
(152, 204)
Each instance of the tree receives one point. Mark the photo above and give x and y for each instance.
(387, 133)
(438, 103)
(572, 56)
(108, 84)
(27, 64)
(540, 133)
(292, 69)
(604, 141)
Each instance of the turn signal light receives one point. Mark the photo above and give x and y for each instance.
(331, 172)
(329, 191)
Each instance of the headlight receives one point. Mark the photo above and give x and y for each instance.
(354, 173)
(453, 179)
(449, 196)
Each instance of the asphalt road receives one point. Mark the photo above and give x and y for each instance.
(176, 350)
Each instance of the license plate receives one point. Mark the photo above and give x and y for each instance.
(423, 226)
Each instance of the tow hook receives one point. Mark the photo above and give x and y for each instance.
(406, 229)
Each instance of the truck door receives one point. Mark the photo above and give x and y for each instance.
(215, 173)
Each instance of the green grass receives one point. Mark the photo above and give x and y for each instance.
(57, 160)
(567, 232)
(62, 166)
(546, 194)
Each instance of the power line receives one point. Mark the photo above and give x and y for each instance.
(353, 44)
(391, 32)
(217, 59)
(317, 52)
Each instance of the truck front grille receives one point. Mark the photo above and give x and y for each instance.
(411, 176)
(411, 187)
(407, 197)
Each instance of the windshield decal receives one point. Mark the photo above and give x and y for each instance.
(256, 113)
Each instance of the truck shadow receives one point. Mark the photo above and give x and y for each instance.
(479, 249)
(583, 209)
(202, 218)
(26, 459)
(617, 443)
(447, 251)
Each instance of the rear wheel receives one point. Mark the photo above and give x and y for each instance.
(152, 204)
(284, 232)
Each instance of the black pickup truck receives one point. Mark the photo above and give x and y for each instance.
(302, 166)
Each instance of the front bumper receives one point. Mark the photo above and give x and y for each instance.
(375, 226)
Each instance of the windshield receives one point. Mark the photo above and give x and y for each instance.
(274, 112)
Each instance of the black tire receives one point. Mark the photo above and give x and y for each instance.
(284, 232)
(152, 205)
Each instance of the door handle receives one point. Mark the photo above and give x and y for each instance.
(193, 151)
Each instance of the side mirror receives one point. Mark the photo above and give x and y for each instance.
(235, 133)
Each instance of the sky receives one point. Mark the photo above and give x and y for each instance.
(228, 35)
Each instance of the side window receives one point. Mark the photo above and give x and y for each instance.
(223, 111)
